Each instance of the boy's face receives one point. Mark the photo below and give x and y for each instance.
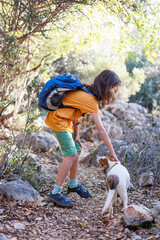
(114, 89)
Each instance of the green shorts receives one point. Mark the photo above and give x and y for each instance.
(67, 143)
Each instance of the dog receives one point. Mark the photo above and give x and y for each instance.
(117, 181)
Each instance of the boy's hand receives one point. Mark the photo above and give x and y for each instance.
(77, 139)
(115, 157)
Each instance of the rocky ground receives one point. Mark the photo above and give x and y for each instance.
(43, 220)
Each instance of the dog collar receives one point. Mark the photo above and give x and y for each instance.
(113, 166)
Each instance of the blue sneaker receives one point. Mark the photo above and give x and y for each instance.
(60, 200)
(80, 191)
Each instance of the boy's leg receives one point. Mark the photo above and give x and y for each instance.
(66, 165)
(56, 196)
(74, 167)
(73, 186)
(68, 147)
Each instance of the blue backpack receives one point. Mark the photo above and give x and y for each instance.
(52, 94)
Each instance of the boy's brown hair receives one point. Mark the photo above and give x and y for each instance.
(102, 84)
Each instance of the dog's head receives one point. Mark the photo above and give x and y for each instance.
(104, 161)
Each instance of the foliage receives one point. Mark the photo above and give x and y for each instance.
(23, 22)
(147, 138)
(149, 95)
(19, 162)
(87, 66)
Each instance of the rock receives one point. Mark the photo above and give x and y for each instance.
(33, 158)
(38, 218)
(156, 212)
(56, 158)
(1, 210)
(145, 208)
(121, 147)
(127, 230)
(117, 110)
(132, 120)
(19, 226)
(47, 129)
(39, 141)
(8, 228)
(3, 237)
(114, 129)
(131, 187)
(146, 179)
(137, 237)
(42, 169)
(137, 108)
(136, 216)
(12, 177)
(19, 190)
(141, 170)
(90, 134)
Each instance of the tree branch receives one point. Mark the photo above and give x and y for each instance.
(54, 14)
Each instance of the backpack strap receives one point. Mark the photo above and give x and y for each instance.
(86, 90)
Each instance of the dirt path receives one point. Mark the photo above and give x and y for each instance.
(84, 221)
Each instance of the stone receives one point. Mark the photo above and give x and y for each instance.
(56, 158)
(120, 147)
(12, 177)
(3, 237)
(39, 141)
(131, 187)
(136, 216)
(156, 212)
(8, 227)
(146, 179)
(42, 169)
(33, 158)
(1, 210)
(38, 218)
(19, 190)
(144, 207)
(117, 110)
(137, 108)
(127, 230)
(137, 237)
(19, 226)
(47, 129)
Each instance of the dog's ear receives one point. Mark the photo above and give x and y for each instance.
(103, 162)
(111, 159)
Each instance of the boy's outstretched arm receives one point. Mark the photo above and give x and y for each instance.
(104, 135)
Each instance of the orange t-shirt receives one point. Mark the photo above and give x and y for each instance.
(61, 119)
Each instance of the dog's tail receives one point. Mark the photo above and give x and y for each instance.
(111, 184)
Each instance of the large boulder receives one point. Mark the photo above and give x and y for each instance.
(136, 216)
(19, 190)
(156, 212)
(39, 141)
(146, 179)
(132, 113)
(121, 148)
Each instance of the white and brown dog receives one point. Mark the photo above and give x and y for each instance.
(118, 180)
